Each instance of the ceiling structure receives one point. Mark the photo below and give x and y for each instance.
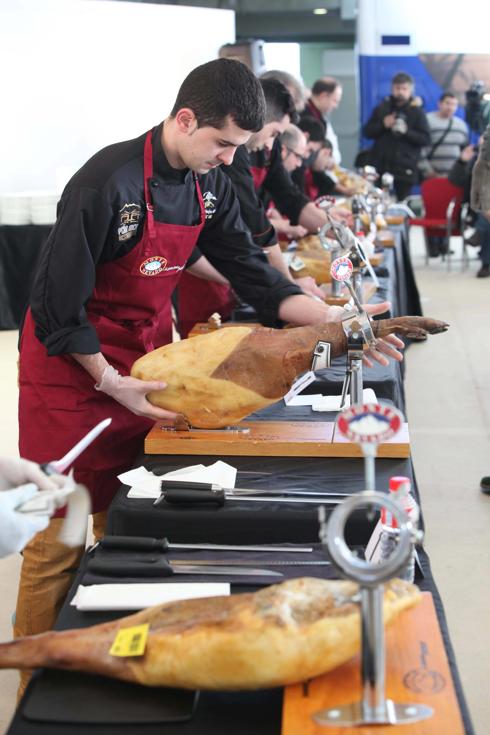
(286, 20)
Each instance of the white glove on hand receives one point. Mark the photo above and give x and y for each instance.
(16, 529)
(14, 472)
(131, 393)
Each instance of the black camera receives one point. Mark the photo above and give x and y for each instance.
(474, 107)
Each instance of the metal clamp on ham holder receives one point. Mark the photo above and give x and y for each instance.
(321, 356)
(358, 330)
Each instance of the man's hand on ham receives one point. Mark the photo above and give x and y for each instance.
(131, 393)
(308, 285)
(388, 347)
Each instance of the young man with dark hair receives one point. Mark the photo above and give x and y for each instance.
(325, 97)
(449, 135)
(399, 128)
(127, 224)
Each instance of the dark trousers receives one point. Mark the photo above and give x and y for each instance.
(483, 228)
(402, 189)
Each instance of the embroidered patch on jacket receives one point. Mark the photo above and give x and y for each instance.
(209, 204)
(129, 216)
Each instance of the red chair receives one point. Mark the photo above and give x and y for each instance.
(442, 214)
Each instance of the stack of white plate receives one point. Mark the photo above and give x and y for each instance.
(15, 209)
(43, 207)
(28, 207)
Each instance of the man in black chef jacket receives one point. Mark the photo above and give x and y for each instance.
(127, 224)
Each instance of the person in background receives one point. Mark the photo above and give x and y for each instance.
(317, 177)
(400, 131)
(461, 174)
(294, 86)
(449, 135)
(293, 150)
(20, 480)
(325, 97)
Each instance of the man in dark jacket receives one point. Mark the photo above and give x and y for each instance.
(400, 130)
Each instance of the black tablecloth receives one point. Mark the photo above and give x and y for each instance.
(19, 249)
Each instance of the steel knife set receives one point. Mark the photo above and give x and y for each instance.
(134, 556)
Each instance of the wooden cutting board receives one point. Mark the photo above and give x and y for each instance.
(417, 671)
(269, 439)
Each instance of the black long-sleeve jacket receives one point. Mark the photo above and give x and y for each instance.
(393, 152)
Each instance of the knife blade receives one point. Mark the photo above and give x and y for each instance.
(241, 562)
(162, 568)
(142, 543)
(58, 466)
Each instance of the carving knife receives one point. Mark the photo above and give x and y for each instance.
(241, 491)
(218, 496)
(142, 543)
(161, 568)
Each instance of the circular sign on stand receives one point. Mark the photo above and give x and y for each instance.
(369, 423)
(341, 269)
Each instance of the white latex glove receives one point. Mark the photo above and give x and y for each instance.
(16, 529)
(14, 472)
(131, 393)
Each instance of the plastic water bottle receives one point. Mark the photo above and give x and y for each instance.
(400, 488)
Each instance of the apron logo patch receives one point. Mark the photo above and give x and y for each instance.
(129, 217)
(209, 204)
(153, 266)
(156, 264)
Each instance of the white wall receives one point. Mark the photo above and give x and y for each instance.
(80, 74)
(435, 26)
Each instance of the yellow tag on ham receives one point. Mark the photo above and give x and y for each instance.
(130, 641)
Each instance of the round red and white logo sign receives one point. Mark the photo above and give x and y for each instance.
(153, 266)
(341, 269)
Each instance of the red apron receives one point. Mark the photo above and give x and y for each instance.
(197, 298)
(311, 190)
(258, 175)
(131, 313)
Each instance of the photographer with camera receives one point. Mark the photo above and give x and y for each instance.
(477, 108)
(400, 130)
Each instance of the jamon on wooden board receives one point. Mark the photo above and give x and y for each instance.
(279, 635)
(217, 379)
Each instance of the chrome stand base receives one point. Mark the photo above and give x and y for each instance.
(355, 713)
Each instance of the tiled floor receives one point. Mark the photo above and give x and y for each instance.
(448, 399)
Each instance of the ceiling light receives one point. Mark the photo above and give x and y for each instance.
(320, 11)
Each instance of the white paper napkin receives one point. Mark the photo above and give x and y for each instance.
(307, 400)
(332, 403)
(139, 596)
(145, 484)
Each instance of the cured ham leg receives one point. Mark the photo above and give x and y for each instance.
(217, 379)
(282, 634)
